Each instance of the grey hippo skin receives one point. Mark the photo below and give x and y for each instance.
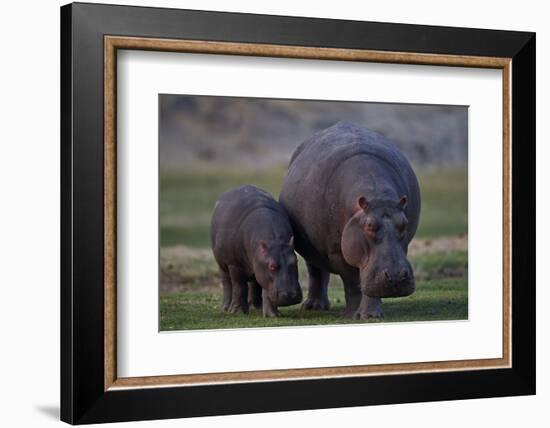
(354, 203)
(253, 244)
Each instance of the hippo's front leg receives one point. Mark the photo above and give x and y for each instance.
(239, 291)
(353, 298)
(358, 305)
(268, 308)
(370, 307)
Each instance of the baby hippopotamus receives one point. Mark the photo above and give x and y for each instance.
(253, 244)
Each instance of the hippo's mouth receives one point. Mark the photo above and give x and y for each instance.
(401, 289)
(289, 298)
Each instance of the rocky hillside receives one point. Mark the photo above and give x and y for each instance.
(258, 132)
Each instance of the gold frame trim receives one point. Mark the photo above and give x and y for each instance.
(112, 43)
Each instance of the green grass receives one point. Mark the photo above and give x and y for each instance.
(190, 286)
(187, 199)
(444, 299)
(442, 294)
(444, 196)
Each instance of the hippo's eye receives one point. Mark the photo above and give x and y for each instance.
(401, 229)
(372, 227)
(402, 225)
(272, 266)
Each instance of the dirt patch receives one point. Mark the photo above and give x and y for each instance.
(419, 247)
(172, 282)
(441, 272)
(185, 268)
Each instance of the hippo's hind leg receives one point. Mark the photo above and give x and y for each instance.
(254, 294)
(226, 284)
(239, 291)
(317, 292)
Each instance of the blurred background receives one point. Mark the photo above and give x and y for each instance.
(209, 145)
(228, 130)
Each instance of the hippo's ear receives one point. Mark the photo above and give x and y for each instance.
(403, 202)
(262, 248)
(363, 203)
(354, 244)
(291, 242)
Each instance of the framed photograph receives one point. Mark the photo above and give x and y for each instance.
(267, 213)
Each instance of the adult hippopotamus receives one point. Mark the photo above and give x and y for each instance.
(253, 244)
(354, 204)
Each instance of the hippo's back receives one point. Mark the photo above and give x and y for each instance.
(326, 171)
(233, 207)
(318, 157)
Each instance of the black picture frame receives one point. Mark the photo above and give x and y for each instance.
(83, 398)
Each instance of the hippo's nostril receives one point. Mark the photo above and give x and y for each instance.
(387, 275)
(288, 297)
(404, 274)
